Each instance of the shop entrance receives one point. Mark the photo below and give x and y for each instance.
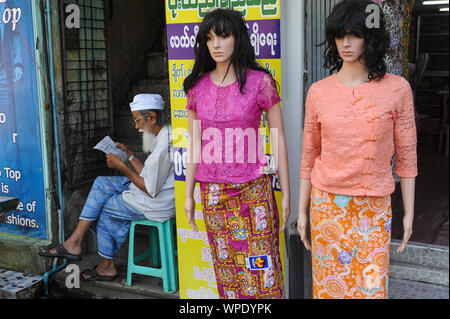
(118, 52)
(428, 75)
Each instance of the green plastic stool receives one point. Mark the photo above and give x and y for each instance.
(162, 256)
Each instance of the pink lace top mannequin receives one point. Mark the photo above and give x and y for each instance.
(232, 151)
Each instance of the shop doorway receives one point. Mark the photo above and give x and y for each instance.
(137, 61)
(118, 51)
(428, 56)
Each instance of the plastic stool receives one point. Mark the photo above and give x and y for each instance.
(162, 256)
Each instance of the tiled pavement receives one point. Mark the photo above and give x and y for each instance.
(16, 285)
(420, 272)
(405, 289)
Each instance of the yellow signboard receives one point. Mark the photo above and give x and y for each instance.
(179, 11)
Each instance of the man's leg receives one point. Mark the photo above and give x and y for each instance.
(113, 227)
(107, 268)
(73, 243)
(102, 190)
(106, 245)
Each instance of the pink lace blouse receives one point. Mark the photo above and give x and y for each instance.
(231, 150)
(350, 134)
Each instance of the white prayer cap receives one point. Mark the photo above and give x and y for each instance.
(147, 102)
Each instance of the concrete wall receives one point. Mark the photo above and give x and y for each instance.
(134, 30)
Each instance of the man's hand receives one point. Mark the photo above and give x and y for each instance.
(114, 161)
(124, 148)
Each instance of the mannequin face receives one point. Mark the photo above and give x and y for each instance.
(220, 48)
(350, 47)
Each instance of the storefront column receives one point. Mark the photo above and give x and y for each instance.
(292, 65)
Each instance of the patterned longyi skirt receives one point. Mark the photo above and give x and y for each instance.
(242, 223)
(350, 240)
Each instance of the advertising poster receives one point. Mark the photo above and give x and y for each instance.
(21, 160)
(196, 271)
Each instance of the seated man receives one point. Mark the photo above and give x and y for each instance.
(146, 192)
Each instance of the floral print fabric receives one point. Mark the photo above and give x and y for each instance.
(397, 15)
(350, 240)
(242, 223)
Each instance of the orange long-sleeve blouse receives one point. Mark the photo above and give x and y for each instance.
(350, 134)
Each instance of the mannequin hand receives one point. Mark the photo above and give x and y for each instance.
(189, 210)
(407, 232)
(285, 207)
(302, 223)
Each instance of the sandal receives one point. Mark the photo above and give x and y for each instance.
(93, 275)
(61, 252)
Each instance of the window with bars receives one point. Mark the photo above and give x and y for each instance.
(87, 108)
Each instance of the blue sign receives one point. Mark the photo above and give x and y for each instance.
(21, 160)
(259, 262)
(179, 163)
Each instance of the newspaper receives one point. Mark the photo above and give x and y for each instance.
(108, 146)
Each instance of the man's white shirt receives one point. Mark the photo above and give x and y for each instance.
(159, 182)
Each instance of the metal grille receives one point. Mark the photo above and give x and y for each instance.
(87, 109)
(316, 13)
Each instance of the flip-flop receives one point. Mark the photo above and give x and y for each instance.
(95, 276)
(61, 252)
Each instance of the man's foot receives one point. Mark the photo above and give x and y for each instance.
(60, 252)
(70, 247)
(100, 272)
